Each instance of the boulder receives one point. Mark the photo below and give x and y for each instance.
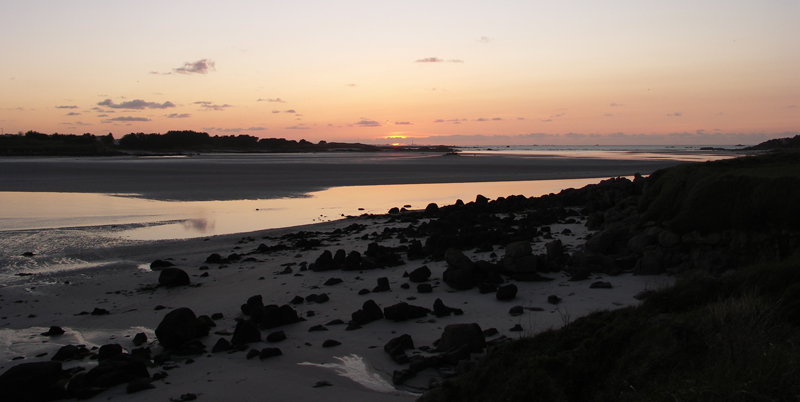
(160, 264)
(403, 311)
(245, 332)
(177, 327)
(457, 260)
(28, 382)
(383, 285)
(457, 335)
(116, 370)
(420, 274)
(324, 262)
(424, 288)
(555, 249)
(171, 277)
(440, 310)
(507, 292)
(518, 249)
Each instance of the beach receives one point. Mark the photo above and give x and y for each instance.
(358, 368)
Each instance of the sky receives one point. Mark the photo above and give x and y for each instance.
(438, 72)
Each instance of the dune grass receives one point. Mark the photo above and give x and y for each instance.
(735, 338)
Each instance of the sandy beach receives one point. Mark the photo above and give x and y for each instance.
(357, 368)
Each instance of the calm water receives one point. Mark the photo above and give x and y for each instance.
(186, 219)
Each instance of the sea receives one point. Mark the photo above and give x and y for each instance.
(47, 224)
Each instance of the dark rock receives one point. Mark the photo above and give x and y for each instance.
(507, 292)
(456, 259)
(269, 352)
(116, 370)
(324, 262)
(275, 316)
(253, 353)
(553, 299)
(317, 328)
(214, 259)
(160, 264)
(405, 286)
(456, 354)
(415, 251)
(144, 353)
(352, 262)
(70, 352)
(217, 316)
(330, 343)
(245, 332)
(138, 384)
(27, 382)
(222, 345)
(363, 292)
(404, 311)
(333, 281)
(276, 337)
(100, 311)
(518, 249)
(424, 288)
(177, 327)
(399, 345)
(171, 277)
(383, 285)
(440, 310)
(339, 257)
(335, 322)
(254, 308)
(297, 300)
(516, 328)
(394, 211)
(420, 274)
(139, 339)
(555, 249)
(401, 376)
(370, 311)
(485, 288)
(457, 335)
(516, 310)
(320, 384)
(109, 351)
(600, 285)
(53, 331)
(490, 332)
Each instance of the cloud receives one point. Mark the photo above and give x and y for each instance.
(615, 104)
(482, 119)
(127, 118)
(211, 106)
(66, 107)
(557, 115)
(676, 114)
(102, 115)
(546, 121)
(608, 115)
(178, 116)
(438, 60)
(791, 106)
(276, 111)
(290, 111)
(403, 123)
(365, 122)
(485, 39)
(136, 104)
(297, 128)
(350, 85)
(199, 67)
(278, 100)
(520, 118)
(74, 114)
(234, 129)
(497, 118)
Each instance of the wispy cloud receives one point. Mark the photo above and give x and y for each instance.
(365, 122)
(438, 60)
(298, 127)
(676, 114)
(74, 114)
(290, 111)
(234, 129)
(403, 123)
(615, 104)
(136, 104)
(66, 107)
(485, 39)
(350, 85)
(211, 105)
(453, 121)
(608, 115)
(276, 111)
(278, 100)
(178, 116)
(520, 118)
(546, 120)
(127, 118)
(198, 67)
(557, 115)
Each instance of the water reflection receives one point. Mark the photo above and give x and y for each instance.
(187, 219)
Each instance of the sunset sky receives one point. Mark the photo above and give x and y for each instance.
(449, 72)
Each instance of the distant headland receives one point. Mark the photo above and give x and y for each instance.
(34, 143)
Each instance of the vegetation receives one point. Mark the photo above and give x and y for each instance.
(778, 143)
(33, 143)
(704, 339)
(749, 193)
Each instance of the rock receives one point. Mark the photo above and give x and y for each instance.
(516, 328)
(329, 343)
(100, 311)
(245, 332)
(324, 262)
(415, 251)
(139, 339)
(269, 352)
(317, 328)
(276, 337)
(440, 310)
(404, 311)
(320, 384)
(516, 311)
(401, 376)
(333, 281)
(28, 382)
(383, 285)
(420, 274)
(252, 353)
(669, 238)
(370, 311)
(651, 263)
(394, 211)
(424, 288)
(457, 354)
(458, 335)
(116, 370)
(160, 264)
(297, 300)
(432, 208)
(214, 259)
(171, 277)
(177, 327)
(363, 292)
(405, 286)
(507, 292)
(518, 249)
(275, 316)
(644, 294)
(553, 299)
(54, 331)
(138, 384)
(555, 249)
(70, 352)
(109, 351)
(352, 262)
(222, 345)
(600, 285)
(399, 345)
(457, 260)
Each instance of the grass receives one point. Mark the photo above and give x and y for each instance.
(735, 338)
